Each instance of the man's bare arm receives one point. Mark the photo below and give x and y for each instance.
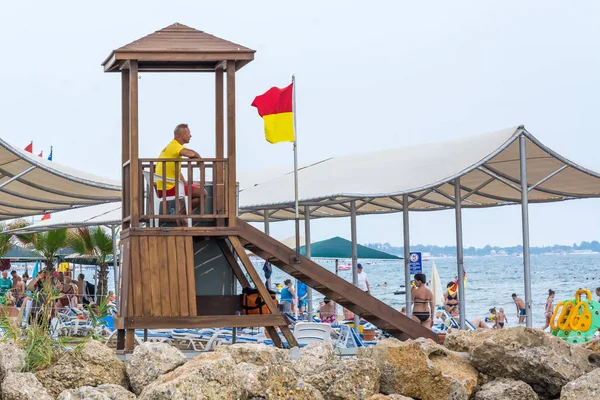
(189, 153)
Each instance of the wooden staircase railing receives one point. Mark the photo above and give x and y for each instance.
(337, 289)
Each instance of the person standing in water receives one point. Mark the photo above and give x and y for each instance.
(549, 308)
(500, 319)
(521, 311)
(422, 299)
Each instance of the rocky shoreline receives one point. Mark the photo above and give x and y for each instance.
(515, 363)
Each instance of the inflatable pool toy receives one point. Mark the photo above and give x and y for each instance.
(576, 320)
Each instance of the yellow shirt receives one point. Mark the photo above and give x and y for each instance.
(171, 151)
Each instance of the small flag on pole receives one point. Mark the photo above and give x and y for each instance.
(276, 108)
(50, 156)
(45, 217)
(29, 147)
(41, 154)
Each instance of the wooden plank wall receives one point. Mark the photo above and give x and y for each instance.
(160, 277)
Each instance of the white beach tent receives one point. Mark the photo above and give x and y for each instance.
(31, 185)
(505, 167)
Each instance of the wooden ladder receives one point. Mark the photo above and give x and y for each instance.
(331, 286)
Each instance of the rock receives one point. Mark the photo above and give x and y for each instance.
(151, 360)
(23, 386)
(313, 356)
(206, 376)
(217, 375)
(422, 369)
(506, 389)
(593, 345)
(12, 359)
(257, 354)
(585, 387)
(539, 359)
(102, 392)
(347, 379)
(389, 397)
(93, 365)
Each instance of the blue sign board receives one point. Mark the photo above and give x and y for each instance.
(415, 263)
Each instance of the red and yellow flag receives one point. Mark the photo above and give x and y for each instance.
(275, 106)
(45, 217)
(454, 288)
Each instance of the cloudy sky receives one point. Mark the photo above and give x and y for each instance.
(370, 75)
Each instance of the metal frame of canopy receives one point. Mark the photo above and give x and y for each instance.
(420, 199)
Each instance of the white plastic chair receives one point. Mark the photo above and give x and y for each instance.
(312, 332)
(156, 200)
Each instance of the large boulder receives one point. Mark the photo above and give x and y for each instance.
(535, 357)
(207, 376)
(12, 359)
(347, 379)
(93, 364)
(218, 375)
(422, 369)
(506, 389)
(151, 360)
(102, 392)
(313, 356)
(585, 387)
(255, 353)
(23, 386)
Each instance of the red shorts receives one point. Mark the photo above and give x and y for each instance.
(171, 192)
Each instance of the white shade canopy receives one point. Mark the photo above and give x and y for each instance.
(101, 214)
(487, 165)
(31, 185)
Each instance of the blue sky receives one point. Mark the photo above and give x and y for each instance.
(370, 76)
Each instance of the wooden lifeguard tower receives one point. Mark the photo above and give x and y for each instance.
(185, 276)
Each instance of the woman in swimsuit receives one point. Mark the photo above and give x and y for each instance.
(451, 301)
(422, 299)
(549, 308)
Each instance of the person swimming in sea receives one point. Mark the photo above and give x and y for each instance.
(422, 299)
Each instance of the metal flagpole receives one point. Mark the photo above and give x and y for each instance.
(459, 255)
(525, 222)
(268, 232)
(296, 170)
(407, 286)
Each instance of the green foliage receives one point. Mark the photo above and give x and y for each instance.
(96, 243)
(47, 244)
(36, 340)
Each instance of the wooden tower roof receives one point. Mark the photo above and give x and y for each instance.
(178, 48)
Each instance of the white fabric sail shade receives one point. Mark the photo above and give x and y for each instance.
(487, 165)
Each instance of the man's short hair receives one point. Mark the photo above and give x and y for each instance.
(514, 295)
(13, 272)
(179, 129)
(359, 266)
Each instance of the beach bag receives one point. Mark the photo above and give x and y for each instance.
(253, 303)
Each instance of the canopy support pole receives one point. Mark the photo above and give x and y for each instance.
(406, 255)
(113, 232)
(525, 224)
(267, 231)
(459, 254)
(354, 257)
(307, 251)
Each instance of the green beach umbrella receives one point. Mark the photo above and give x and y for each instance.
(338, 247)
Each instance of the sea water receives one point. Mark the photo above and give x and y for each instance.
(490, 280)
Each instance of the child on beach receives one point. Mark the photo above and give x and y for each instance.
(500, 319)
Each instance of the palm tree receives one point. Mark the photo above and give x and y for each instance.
(47, 244)
(97, 243)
